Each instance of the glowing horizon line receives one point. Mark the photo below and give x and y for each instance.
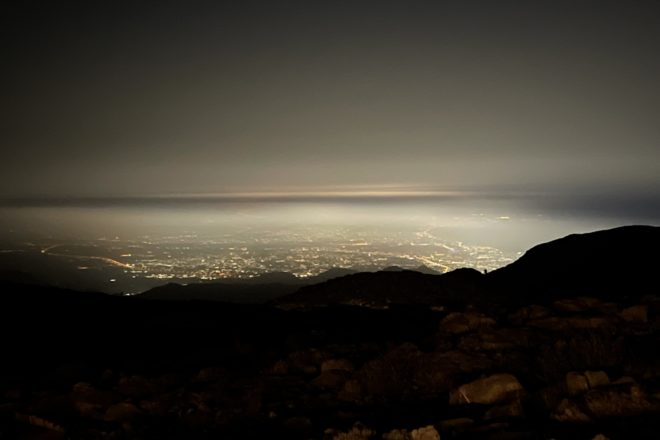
(335, 193)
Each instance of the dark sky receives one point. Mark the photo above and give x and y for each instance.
(110, 98)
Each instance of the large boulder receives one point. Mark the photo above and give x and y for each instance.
(488, 391)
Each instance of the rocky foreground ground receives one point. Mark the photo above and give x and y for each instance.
(575, 368)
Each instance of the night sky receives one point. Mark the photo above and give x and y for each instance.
(110, 98)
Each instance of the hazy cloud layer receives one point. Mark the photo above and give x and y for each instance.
(143, 98)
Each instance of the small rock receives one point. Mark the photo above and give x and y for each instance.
(306, 361)
(603, 403)
(156, 407)
(298, 424)
(39, 422)
(351, 392)
(122, 412)
(425, 433)
(83, 392)
(309, 370)
(107, 375)
(458, 323)
(597, 379)
(497, 340)
(210, 374)
(458, 424)
(576, 383)
(279, 368)
(337, 364)
(330, 380)
(357, 432)
(582, 304)
(551, 396)
(55, 406)
(136, 386)
(528, 313)
(13, 394)
(397, 434)
(569, 411)
(88, 410)
(639, 314)
(512, 410)
(624, 380)
(493, 389)
(81, 388)
(492, 431)
(554, 323)
(460, 360)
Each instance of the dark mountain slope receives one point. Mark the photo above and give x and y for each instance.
(247, 293)
(380, 289)
(613, 263)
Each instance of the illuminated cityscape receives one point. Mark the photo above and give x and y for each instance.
(134, 264)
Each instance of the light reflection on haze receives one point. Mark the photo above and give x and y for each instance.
(509, 223)
(131, 245)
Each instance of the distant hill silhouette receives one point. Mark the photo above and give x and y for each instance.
(273, 285)
(271, 278)
(259, 289)
(606, 263)
(421, 269)
(610, 263)
(427, 270)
